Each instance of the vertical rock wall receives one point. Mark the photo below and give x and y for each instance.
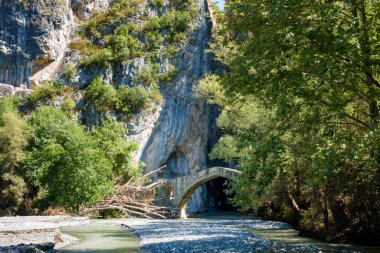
(34, 35)
(180, 135)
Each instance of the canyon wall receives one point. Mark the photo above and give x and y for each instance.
(34, 38)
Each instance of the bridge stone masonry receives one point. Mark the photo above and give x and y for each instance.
(179, 190)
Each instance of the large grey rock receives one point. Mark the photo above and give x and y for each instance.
(34, 35)
(6, 90)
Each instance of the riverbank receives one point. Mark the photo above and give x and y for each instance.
(37, 230)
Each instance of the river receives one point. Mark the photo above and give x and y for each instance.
(106, 236)
(217, 232)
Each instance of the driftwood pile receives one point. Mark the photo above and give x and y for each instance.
(133, 199)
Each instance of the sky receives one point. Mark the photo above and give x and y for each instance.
(220, 3)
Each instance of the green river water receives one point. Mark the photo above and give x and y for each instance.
(103, 237)
(107, 237)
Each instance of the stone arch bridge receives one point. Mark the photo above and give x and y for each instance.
(180, 189)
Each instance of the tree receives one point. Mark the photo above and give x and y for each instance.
(14, 137)
(300, 104)
(110, 137)
(65, 162)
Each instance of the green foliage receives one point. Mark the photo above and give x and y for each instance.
(100, 58)
(225, 149)
(133, 99)
(211, 89)
(12, 191)
(53, 161)
(68, 106)
(99, 24)
(102, 97)
(300, 110)
(156, 4)
(110, 137)
(66, 162)
(14, 138)
(107, 38)
(46, 94)
(170, 74)
(149, 76)
(14, 135)
(176, 23)
(69, 71)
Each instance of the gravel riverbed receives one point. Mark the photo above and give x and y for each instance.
(37, 229)
(163, 236)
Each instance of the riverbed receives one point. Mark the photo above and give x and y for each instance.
(223, 233)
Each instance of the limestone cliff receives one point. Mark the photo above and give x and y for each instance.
(34, 36)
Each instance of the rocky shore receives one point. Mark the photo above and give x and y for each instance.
(36, 233)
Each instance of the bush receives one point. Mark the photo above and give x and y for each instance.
(117, 42)
(12, 191)
(170, 74)
(46, 94)
(148, 77)
(66, 162)
(156, 4)
(68, 106)
(69, 71)
(110, 137)
(101, 96)
(134, 99)
(100, 58)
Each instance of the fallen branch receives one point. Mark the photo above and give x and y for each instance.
(133, 199)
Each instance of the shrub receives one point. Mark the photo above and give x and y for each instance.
(101, 96)
(68, 106)
(14, 139)
(69, 71)
(133, 99)
(46, 94)
(66, 162)
(149, 76)
(157, 4)
(170, 74)
(110, 137)
(100, 58)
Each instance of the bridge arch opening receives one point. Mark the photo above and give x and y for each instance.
(216, 198)
(183, 187)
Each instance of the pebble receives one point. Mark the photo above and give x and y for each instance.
(196, 236)
(36, 230)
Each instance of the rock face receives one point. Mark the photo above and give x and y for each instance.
(34, 35)
(180, 134)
